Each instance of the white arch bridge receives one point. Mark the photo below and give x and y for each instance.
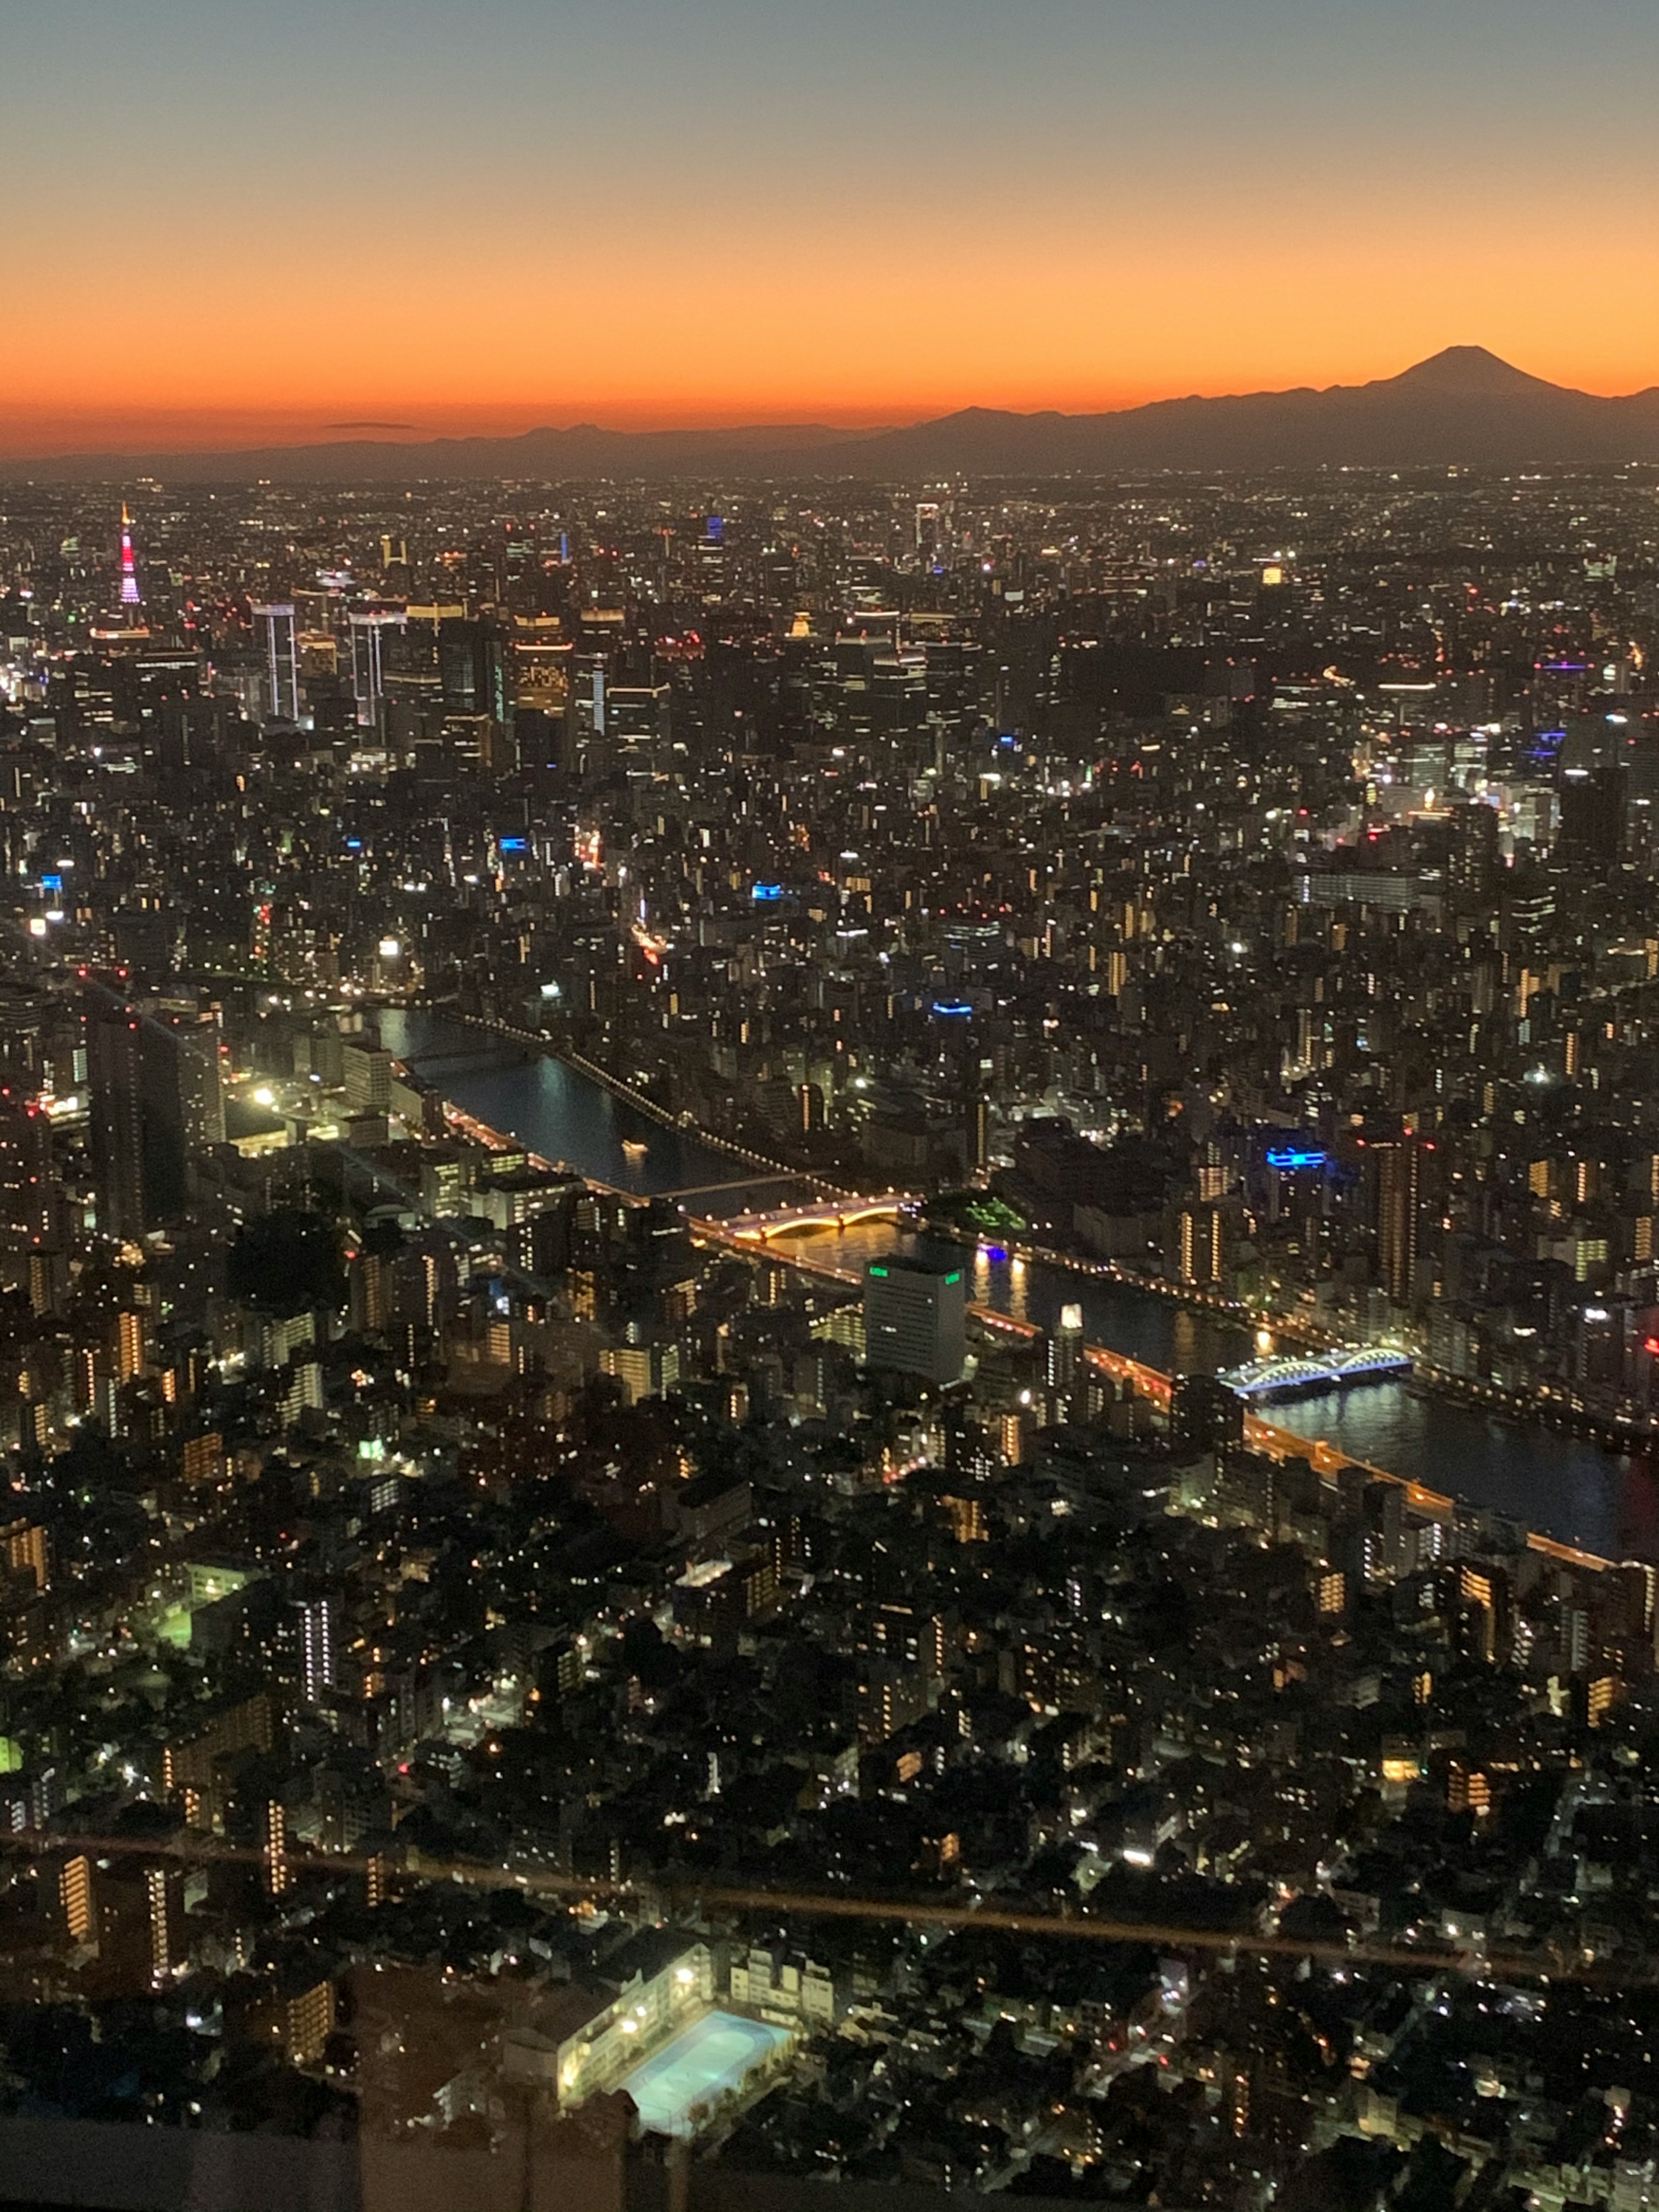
(1317, 1371)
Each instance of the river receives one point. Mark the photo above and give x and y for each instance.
(1562, 1485)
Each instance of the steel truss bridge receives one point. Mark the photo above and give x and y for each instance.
(1315, 1370)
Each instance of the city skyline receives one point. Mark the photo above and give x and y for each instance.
(633, 219)
(828, 1106)
(839, 1298)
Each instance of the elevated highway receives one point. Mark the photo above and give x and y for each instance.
(745, 1233)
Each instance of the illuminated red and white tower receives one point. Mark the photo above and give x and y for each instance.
(130, 595)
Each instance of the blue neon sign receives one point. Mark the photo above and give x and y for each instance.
(1288, 1157)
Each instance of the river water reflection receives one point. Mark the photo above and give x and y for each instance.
(1559, 1484)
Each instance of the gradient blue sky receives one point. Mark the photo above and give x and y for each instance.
(225, 220)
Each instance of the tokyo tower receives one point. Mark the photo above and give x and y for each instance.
(130, 595)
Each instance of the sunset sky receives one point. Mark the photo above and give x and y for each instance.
(227, 222)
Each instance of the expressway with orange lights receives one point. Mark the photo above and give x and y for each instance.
(749, 1233)
(1261, 1436)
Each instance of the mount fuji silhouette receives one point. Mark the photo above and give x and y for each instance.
(1462, 407)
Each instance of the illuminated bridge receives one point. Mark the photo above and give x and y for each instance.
(830, 1213)
(1318, 1370)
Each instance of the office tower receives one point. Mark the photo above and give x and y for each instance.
(475, 669)
(540, 659)
(1592, 788)
(915, 1318)
(1398, 1197)
(980, 1126)
(115, 1072)
(130, 595)
(200, 1080)
(156, 1097)
(585, 717)
(638, 730)
(369, 629)
(711, 558)
(367, 1071)
(1592, 802)
(274, 628)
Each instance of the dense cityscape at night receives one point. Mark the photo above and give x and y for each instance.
(832, 1316)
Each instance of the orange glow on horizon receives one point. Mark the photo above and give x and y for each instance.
(249, 224)
(104, 424)
(137, 360)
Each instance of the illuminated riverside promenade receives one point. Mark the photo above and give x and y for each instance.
(1540, 1477)
(1281, 1443)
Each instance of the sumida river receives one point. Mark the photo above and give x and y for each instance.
(1559, 1484)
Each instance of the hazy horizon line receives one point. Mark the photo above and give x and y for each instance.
(37, 433)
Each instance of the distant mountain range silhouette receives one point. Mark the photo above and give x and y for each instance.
(1462, 407)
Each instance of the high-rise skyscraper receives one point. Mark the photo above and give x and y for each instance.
(274, 628)
(1398, 1179)
(200, 1081)
(369, 628)
(585, 717)
(156, 1097)
(115, 1076)
(638, 730)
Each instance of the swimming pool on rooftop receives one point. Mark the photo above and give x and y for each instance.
(714, 2054)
